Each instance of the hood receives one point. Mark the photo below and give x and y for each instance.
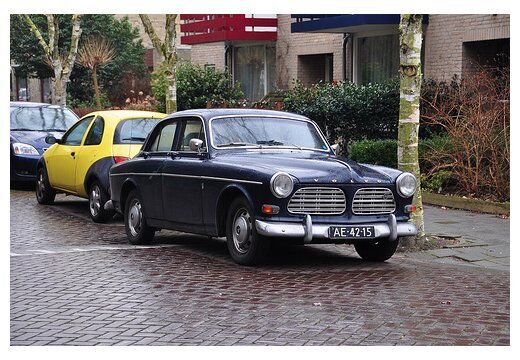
(34, 138)
(310, 167)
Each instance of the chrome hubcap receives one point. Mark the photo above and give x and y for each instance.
(134, 218)
(40, 186)
(242, 231)
(95, 200)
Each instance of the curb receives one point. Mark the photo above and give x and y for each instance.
(457, 202)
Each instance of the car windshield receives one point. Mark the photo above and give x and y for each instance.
(41, 118)
(266, 131)
(134, 131)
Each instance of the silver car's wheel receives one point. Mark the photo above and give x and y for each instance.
(135, 216)
(40, 185)
(95, 200)
(45, 194)
(136, 227)
(242, 231)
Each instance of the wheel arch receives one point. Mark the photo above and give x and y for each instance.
(99, 171)
(226, 196)
(127, 186)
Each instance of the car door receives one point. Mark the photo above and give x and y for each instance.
(62, 163)
(182, 185)
(88, 153)
(157, 149)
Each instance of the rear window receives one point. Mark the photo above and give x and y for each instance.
(134, 131)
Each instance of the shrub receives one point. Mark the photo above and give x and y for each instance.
(475, 115)
(346, 111)
(377, 152)
(197, 86)
(384, 151)
(436, 181)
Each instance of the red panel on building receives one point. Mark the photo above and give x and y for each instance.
(206, 28)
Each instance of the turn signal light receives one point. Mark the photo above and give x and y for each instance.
(270, 209)
(118, 159)
(410, 208)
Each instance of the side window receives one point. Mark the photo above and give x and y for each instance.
(75, 134)
(95, 134)
(164, 138)
(192, 130)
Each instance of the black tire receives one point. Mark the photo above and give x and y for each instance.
(45, 194)
(251, 249)
(137, 231)
(376, 251)
(97, 198)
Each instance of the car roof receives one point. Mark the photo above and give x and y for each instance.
(211, 113)
(118, 115)
(32, 104)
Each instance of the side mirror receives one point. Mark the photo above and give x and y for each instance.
(196, 145)
(335, 148)
(50, 139)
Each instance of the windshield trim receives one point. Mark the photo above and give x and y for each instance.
(248, 147)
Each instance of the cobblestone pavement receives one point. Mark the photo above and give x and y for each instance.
(78, 283)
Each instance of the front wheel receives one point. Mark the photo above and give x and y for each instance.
(97, 197)
(45, 194)
(379, 251)
(137, 231)
(245, 245)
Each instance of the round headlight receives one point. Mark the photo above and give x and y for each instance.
(406, 184)
(281, 185)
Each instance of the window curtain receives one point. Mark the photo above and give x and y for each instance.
(249, 70)
(377, 58)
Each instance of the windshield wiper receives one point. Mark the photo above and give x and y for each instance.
(24, 129)
(238, 144)
(276, 143)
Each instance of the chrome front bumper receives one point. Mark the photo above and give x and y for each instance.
(391, 229)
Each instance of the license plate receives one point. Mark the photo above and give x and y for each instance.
(351, 232)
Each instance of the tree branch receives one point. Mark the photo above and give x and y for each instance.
(148, 28)
(74, 41)
(34, 29)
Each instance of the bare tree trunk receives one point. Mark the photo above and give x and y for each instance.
(61, 66)
(410, 91)
(97, 96)
(168, 50)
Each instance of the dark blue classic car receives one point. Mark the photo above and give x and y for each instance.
(257, 176)
(31, 123)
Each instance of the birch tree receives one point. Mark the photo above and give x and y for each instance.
(168, 50)
(61, 63)
(410, 29)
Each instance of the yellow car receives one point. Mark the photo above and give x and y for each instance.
(79, 162)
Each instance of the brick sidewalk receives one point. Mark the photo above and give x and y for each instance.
(75, 282)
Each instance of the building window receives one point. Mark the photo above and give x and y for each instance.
(376, 58)
(254, 67)
(488, 55)
(315, 68)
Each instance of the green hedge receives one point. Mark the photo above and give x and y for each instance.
(384, 151)
(347, 111)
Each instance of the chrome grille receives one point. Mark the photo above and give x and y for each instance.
(373, 201)
(318, 201)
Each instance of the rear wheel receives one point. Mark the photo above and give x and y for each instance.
(97, 198)
(137, 231)
(245, 245)
(379, 251)
(45, 194)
